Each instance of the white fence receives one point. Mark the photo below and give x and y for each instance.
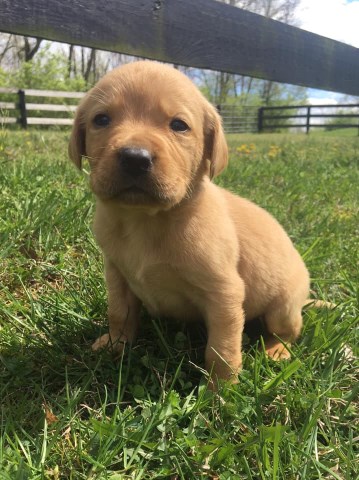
(24, 107)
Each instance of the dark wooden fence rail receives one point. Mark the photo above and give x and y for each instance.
(268, 117)
(198, 33)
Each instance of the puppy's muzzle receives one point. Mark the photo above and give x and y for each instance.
(134, 161)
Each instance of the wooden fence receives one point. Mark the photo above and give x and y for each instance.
(18, 109)
(274, 118)
(24, 107)
(239, 118)
(202, 33)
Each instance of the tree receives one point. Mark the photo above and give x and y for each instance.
(30, 48)
(46, 70)
(85, 64)
(15, 49)
(91, 64)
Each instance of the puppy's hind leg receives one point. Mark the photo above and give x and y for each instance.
(283, 316)
(284, 325)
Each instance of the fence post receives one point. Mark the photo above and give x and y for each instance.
(22, 108)
(308, 120)
(260, 119)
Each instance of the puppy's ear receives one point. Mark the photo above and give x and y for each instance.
(77, 143)
(215, 148)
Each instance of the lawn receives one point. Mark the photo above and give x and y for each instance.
(68, 413)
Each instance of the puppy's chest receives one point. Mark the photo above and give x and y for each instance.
(156, 277)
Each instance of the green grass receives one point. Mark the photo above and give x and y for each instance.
(341, 132)
(68, 413)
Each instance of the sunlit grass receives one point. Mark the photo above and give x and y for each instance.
(67, 413)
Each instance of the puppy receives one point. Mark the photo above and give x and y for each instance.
(172, 240)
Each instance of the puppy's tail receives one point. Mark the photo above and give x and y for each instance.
(310, 302)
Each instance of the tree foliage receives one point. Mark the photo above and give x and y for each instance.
(26, 65)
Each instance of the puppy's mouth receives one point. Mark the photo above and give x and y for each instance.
(133, 193)
(135, 190)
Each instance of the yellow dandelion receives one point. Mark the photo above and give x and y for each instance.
(242, 148)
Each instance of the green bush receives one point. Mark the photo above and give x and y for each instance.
(48, 70)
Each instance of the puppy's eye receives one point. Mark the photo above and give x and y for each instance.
(101, 120)
(178, 125)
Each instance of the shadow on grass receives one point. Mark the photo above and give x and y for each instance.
(58, 368)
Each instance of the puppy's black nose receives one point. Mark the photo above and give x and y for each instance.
(135, 161)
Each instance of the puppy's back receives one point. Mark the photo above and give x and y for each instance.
(268, 261)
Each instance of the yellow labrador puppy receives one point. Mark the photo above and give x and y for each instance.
(172, 240)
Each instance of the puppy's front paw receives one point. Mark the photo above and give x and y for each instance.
(277, 351)
(101, 342)
(105, 341)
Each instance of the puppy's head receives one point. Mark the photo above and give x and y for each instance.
(149, 134)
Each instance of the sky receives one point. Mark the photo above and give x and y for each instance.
(337, 19)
